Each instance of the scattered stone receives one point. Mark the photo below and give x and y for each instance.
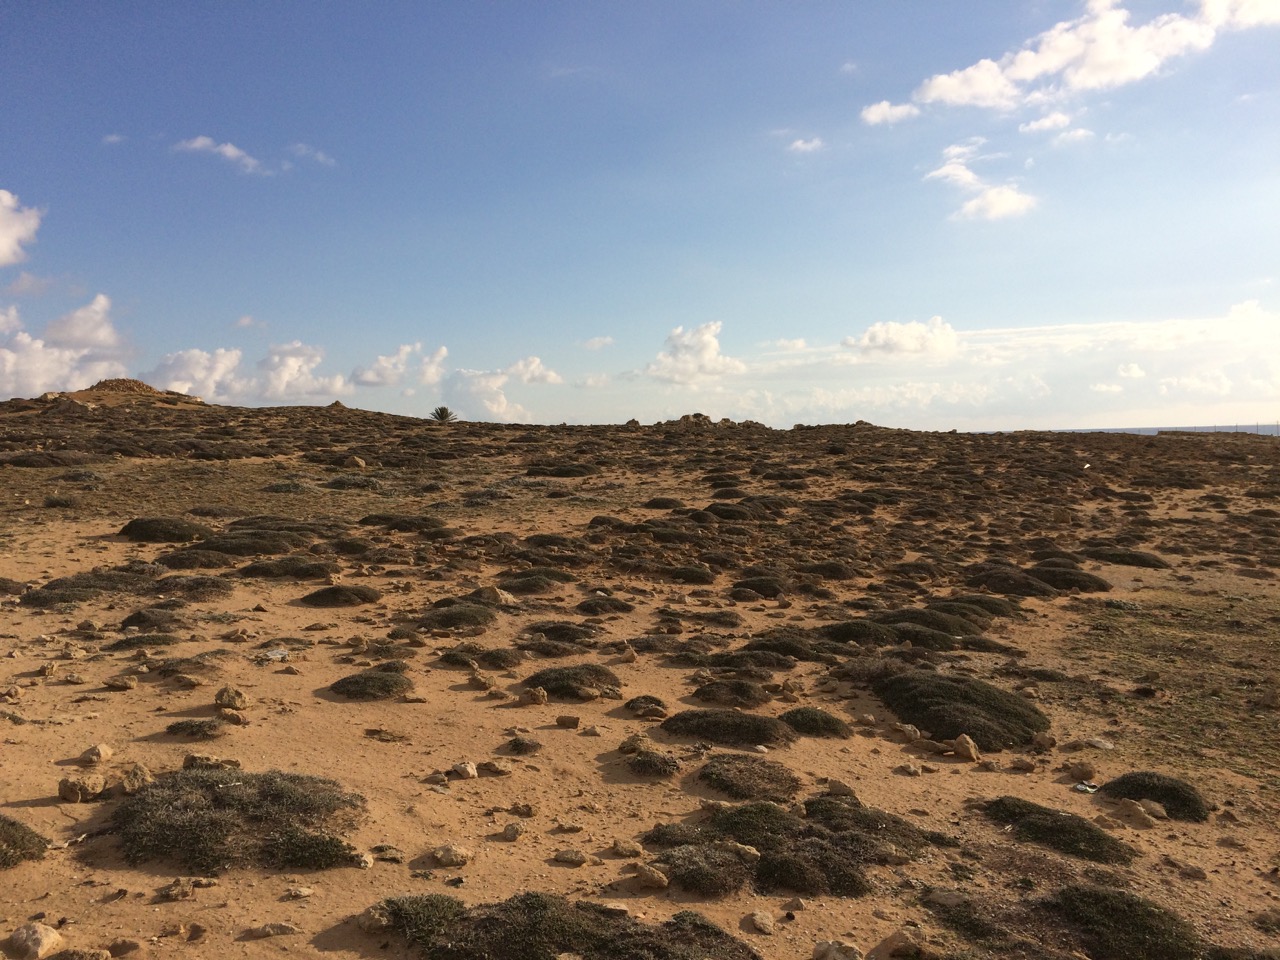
(205, 761)
(835, 950)
(909, 769)
(512, 832)
(452, 855)
(572, 856)
(466, 770)
(299, 893)
(98, 753)
(81, 789)
(568, 721)
(34, 941)
(761, 922)
(121, 682)
(232, 697)
(271, 930)
(536, 696)
(652, 877)
(627, 848)
(966, 749)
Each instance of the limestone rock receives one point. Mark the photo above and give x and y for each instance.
(966, 749)
(835, 950)
(34, 941)
(271, 930)
(81, 789)
(762, 922)
(452, 855)
(232, 697)
(98, 753)
(650, 876)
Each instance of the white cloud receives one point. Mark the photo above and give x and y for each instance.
(1106, 388)
(113, 138)
(848, 67)
(245, 322)
(431, 372)
(532, 370)
(935, 339)
(18, 226)
(693, 355)
(288, 372)
(76, 351)
(991, 201)
(87, 328)
(1078, 135)
(386, 371)
(593, 381)
(1053, 121)
(997, 203)
(311, 153)
(468, 390)
(886, 112)
(598, 343)
(788, 346)
(806, 146)
(1100, 50)
(198, 373)
(228, 151)
(1130, 371)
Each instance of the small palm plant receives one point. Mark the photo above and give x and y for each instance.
(443, 415)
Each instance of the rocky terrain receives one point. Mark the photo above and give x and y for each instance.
(322, 682)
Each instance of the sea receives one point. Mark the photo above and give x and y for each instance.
(1263, 429)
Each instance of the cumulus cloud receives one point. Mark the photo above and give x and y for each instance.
(1100, 50)
(532, 370)
(228, 151)
(388, 370)
(598, 343)
(245, 322)
(886, 112)
(431, 371)
(75, 351)
(211, 376)
(990, 201)
(470, 390)
(1078, 135)
(1130, 371)
(288, 372)
(88, 327)
(593, 381)
(936, 339)
(806, 146)
(18, 226)
(693, 355)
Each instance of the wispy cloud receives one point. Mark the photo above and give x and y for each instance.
(812, 145)
(307, 152)
(228, 151)
(989, 201)
(597, 343)
(113, 138)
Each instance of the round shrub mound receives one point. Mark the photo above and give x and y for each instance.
(542, 926)
(653, 763)
(342, 595)
(457, 615)
(19, 842)
(815, 722)
(729, 727)
(733, 693)
(948, 706)
(164, 530)
(382, 682)
(574, 682)
(207, 821)
(1116, 925)
(1064, 832)
(1180, 799)
(746, 777)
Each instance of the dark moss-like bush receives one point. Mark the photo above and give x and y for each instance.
(529, 585)
(947, 706)
(733, 693)
(197, 729)
(676, 835)
(574, 682)
(829, 570)
(729, 727)
(768, 587)
(1126, 558)
(382, 682)
(164, 530)
(19, 842)
(747, 777)
(933, 619)
(1064, 578)
(995, 606)
(653, 763)
(1115, 925)
(195, 558)
(562, 470)
(139, 641)
(708, 869)
(150, 619)
(296, 567)
(1180, 799)
(561, 631)
(352, 481)
(815, 722)
(198, 588)
(644, 703)
(540, 926)
(341, 595)
(522, 746)
(814, 866)
(206, 821)
(458, 616)
(692, 574)
(1064, 832)
(861, 632)
(602, 606)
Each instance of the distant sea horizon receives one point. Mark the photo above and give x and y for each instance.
(1261, 429)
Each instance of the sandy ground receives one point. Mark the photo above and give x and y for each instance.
(1220, 875)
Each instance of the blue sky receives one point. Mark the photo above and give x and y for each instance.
(913, 212)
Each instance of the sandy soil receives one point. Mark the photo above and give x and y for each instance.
(1172, 669)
